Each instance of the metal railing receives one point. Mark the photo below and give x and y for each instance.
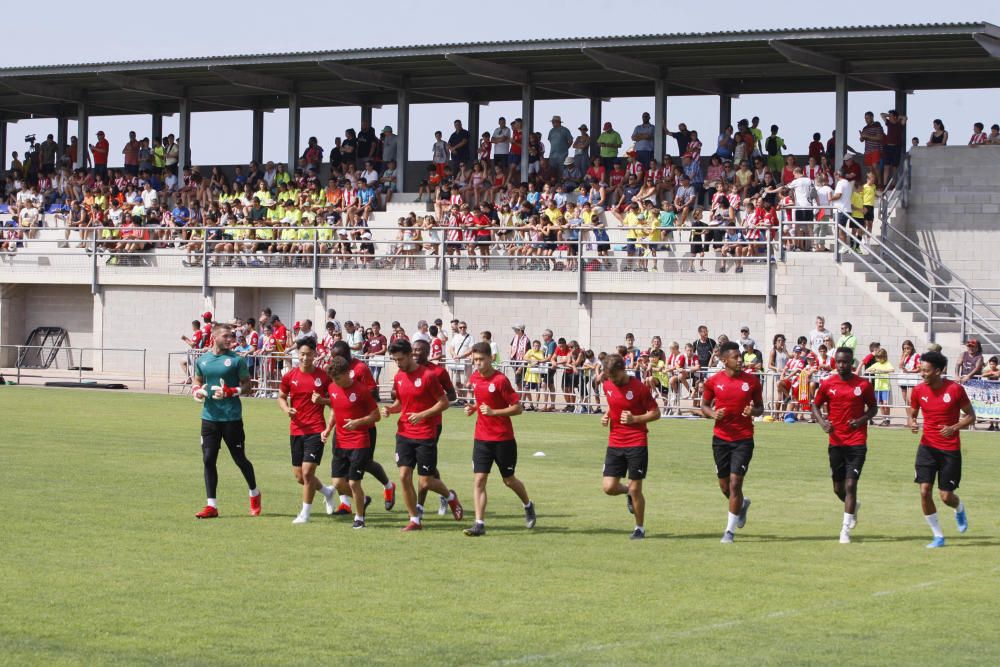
(84, 365)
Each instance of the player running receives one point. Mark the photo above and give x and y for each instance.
(850, 403)
(422, 355)
(947, 410)
(419, 400)
(302, 395)
(220, 377)
(495, 402)
(732, 398)
(354, 414)
(358, 370)
(630, 407)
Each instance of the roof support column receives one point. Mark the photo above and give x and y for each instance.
(595, 126)
(473, 132)
(366, 114)
(294, 125)
(155, 128)
(257, 134)
(725, 112)
(527, 125)
(183, 137)
(659, 118)
(840, 119)
(82, 134)
(901, 98)
(62, 136)
(3, 147)
(402, 137)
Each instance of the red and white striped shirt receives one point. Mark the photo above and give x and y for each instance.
(978, 138)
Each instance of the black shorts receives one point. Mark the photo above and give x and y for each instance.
(350, 463)
(633, 461)
(306, 448)
(945, 464)
(213, 433)
(803, 215)
(869, 213)
(731, 458)
(847, 462)
(487, 452)
(568, 381)
(372, 437)
(419, 454)
(890, 155)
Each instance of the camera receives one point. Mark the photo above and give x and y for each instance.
(30, 139)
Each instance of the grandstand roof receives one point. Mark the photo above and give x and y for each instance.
(894, 57)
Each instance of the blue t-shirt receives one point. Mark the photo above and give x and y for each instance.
(180, 215)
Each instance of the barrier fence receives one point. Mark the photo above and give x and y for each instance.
(84, 365)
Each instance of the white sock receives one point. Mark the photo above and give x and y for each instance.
(481, 522)
(346, 500)
(358, 517)
(306, 509)
(641, 529)
(451, 496)
(848, 518)
(387, 485)
(960, 508)
(254, 493)
(932, 520)
(731, 522)
(415, 519)
(420, 508)
(211, 503)
(528, 505)
(327, 491)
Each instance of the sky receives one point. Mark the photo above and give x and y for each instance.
(208, 28)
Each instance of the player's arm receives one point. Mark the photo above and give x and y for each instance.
(436, 409)
(649, 416)
(912, 412)
(394, 408)
(511, 410)
(871, 409)
(363, 422)
(967, 419)
(708, 404)
(756, 407)
(317, 398)
(817, 411)
(283, 403)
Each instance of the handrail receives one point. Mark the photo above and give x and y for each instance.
(898, 188)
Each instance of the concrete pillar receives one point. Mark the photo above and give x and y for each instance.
(97, 322)
(595, 126)
(584, 328)
(840, 119)
(294, 124)
(3, 147)
(62, 135)
(183, 136)
(901, 98)
(725, 112)
(366, 114)
(257, 150)
(155, 128)
(527, 125)
(403, 137)
(659, 118)
(82, 134)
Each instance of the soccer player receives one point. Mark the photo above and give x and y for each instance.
(850, 402)
(358, 370)
(420, 400)
(494, 403)
(947, 410)
(354, 414)
(302, 395)
(630, 408)
(220, 377)
(732, 398)
(421, 353)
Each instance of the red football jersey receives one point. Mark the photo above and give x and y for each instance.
(361, 374)
(299, 386)
(437, 348)
(634, 397)
(734, 394)
(354, 402)
(941, 407)
(846, 400)
(417, 391)
(496, 392)
(441, 375)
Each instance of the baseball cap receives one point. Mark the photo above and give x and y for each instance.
(297, 325)
(387, 129)
(207, 315)
(797, 348)
(972, 341)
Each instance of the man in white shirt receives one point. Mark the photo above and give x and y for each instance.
(369, 174)
(331, 318)
(150, 198)
(422, 333)
(460, 356)
(819, 334)
(802, 190)
(842, 197)
(823, 194)
(501, 143)
(354, 337)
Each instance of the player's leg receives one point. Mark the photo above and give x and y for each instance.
(949, 476)
(375, 469)
(926, 468)
(639, 507)
(505, 457)
(211, 441)
(615, 468)
(426, 455)
(235, 439)
(478, 527)
(358, 459)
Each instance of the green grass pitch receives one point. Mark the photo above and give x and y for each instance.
(102, 561)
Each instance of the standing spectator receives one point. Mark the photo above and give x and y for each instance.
(423, 332)
(843, 195)
(978, 136)
(367, 144)
(501, 139)
(131, 153)
(894, 129)
(873, 136)
(682, 136)
(909, 366)
(994, 137)
(560, 139)
(882, 369)
(581, 150)
(47, 151)
(773, 147)
(970, 363)
(100, 152)
(460, 353)
(847, 337)
(816, 147)
(458, 146)
(609, 141)
(939, 135)
(518, 349)
(390, 145)
(354, 336)
(745, 339)
(819, 334)
(313, 154)
(439, 154)
(703, 347)
(643, 135)
(171, 154)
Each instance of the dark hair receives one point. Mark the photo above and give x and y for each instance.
(308, 341)
(850, 327)
(731, 346)
(338, 366)
(613, 362)
(432, 330)
(993, 360)
(482, 348)
(400, 347)
(816, 136)
(341, 349)
(935, 359)
(849, 351)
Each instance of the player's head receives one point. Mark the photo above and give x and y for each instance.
(402, 353)
(729, 354)
(340, 372)
(844, 360)
(223, 336)
(482, 357)
(341, 349)
(932, 366)
(614, 368)
(307, 351)
(421, 351)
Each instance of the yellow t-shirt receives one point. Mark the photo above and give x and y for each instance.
(881, 371)
(868, 194)
(531, 374)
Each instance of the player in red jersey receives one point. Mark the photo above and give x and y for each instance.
(358, 370)
(630, 407)
(353, 413)
(947, 410)
(732, 398)
(422, 355)
(850, 402)
(419, 400)
(301, 396)
(495, 402)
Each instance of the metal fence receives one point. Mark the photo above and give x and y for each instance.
(84, 365)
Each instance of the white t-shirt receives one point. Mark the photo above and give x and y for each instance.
(816, 338)
(823, 193)
(150, 198)
(846, 190)
(370, 176)
(501, 147)
(801, 187)
(420, 335)
(459, 345)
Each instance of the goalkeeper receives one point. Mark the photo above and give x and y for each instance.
(221, 376)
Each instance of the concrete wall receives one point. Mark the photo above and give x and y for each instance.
(954, 211)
